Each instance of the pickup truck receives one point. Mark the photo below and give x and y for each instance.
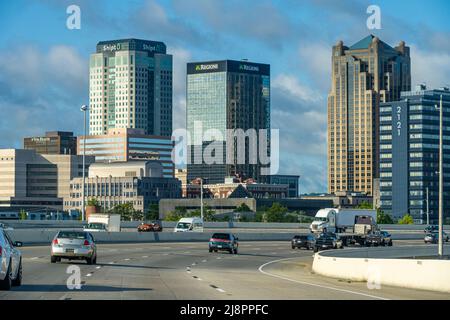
(328, 241)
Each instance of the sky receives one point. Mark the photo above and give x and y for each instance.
(44, 65)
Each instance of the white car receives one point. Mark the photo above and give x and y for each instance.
(10, 262)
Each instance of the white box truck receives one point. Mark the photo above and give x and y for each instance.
(98, 222)
(351, 225)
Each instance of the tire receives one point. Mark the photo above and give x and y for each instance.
(18, 280)
(231, 251)
(236, 251)
(90, 261)
(53, 259)
(390, 243)
(293, 247)
(6, 283)
(316, 249)
(95, 260)
(210, 250)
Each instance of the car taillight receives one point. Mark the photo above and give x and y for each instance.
(55, 241)
(86, 243)
(211, 240)
(1, 251)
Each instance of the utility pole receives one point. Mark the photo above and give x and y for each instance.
(84, 108)
(428, 210)
(441, 182)
(201, 198)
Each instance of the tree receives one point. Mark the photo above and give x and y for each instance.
(384, 218)
(126, 211)
(173, 216)
(93, 202)
(243, 208)
(407, 219)
(152, 212)
(275, 213)
(364, 205)
(23, 214)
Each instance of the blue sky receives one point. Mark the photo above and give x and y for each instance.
(44, 65)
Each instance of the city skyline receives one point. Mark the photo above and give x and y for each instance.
(301, 71)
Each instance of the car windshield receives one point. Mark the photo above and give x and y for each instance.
(183, 225)
(223, 236)
(97, 226)
(321, 219)
(72, 235)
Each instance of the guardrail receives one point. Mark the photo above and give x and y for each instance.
(387, 266)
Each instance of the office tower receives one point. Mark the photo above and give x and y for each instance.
(226, 95)
(131, 87)
(363, 75)
(409, 154)
(55, 142)
(121, 145)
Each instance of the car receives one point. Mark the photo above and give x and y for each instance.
(73, 245)
(374, 239)
(10, 262)
(307, 241)
(431, 228)
(155, 226)
(328, 241)
(433, 237)
(386, 238)
(223, 242)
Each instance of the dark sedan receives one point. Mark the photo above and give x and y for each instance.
(303, 241)
(328, 241)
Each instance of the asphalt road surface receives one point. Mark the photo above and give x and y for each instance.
(261, 270)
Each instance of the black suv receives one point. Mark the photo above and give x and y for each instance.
(328, 241)
(223, 242)
(303, 241)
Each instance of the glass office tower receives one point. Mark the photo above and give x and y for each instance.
(225, 95)
(409, 154)
(131, 87)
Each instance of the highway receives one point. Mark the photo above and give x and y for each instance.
(261, 270)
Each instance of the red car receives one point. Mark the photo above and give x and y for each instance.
(150, 227)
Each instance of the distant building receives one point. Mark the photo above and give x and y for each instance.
(181, 174)
(138, 182)
(233, 188)
(363, 75)
(225, 95)
(409, 154)
(33, 181)
(342, 199)
(130, 87)
(290, 180)
(126, 144)
(54, 142)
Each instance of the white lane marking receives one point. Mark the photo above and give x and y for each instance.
(194, 264)
(34, 258)
(218, 258)
(89, 275)
(165, 254)
(187, 252)
(188, 271)
(204, 260)
(273, 253)
(98, 267)
(112, 262)
(199, 279)
(127, 259)
(312, 284)
(144, 256)
(220, 290)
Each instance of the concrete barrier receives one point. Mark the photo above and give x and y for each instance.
(39, 237)
(400, 271)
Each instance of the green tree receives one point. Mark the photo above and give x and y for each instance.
(384, 218)
(364, 205)
(153, 212)
(93, 202)
(173, 216)
(275, 213)
(126, 211)
(243, 208)
(23, 214)
(407, 219)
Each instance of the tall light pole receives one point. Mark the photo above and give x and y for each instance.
(201, 198)
(441, 182)
(428, 209)
(84, 109)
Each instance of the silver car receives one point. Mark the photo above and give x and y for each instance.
(74, 245)
(10, 262)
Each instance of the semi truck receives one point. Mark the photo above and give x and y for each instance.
(351, 225)
(103, 222)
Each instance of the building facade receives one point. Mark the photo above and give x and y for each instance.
(131, 87)
(290, 180)
(409, 154)
(126, 144)
(225, 95)
(54, 142)
(33, 181)
(138, 182)
(363, 75)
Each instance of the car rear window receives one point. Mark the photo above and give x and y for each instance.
(72, 235)
(223, 236)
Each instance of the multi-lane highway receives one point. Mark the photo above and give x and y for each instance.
(261, 270)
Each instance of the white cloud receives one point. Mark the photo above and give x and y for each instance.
(316, 60)
(430, 67)
(289, 84)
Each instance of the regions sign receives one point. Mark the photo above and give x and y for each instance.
(202, 67)
(247, 67)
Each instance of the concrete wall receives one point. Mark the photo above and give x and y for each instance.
(423, 274)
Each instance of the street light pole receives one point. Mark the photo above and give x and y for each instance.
(201, 198)
(84, 109)
(441, 182)
(428, 209)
